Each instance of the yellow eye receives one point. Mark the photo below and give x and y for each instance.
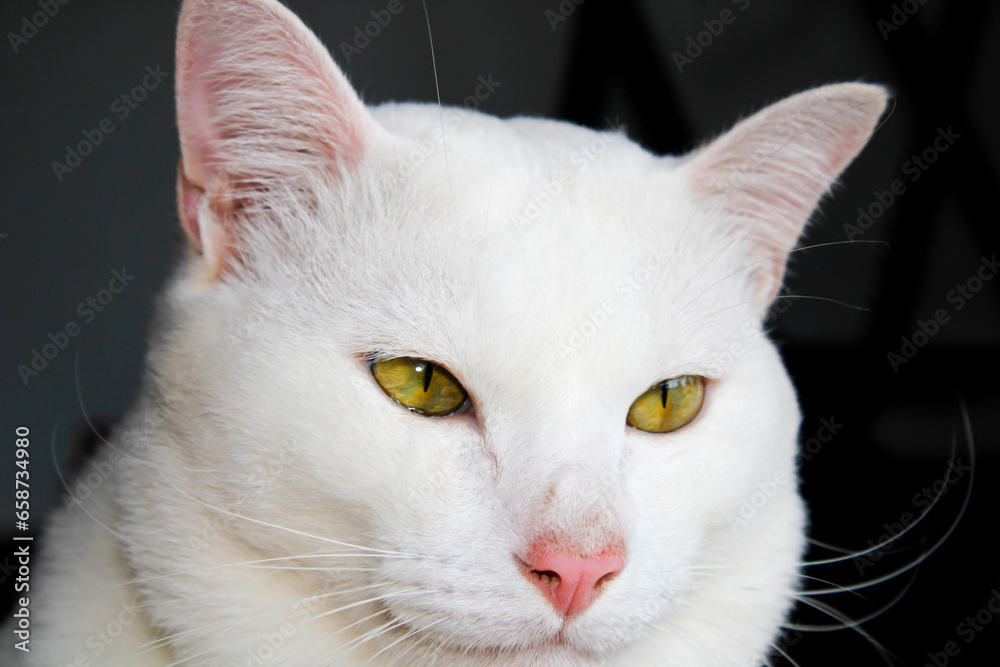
(668, 405)
(420, 385)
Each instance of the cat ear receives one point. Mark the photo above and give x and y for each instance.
(767, 174)
(259, 103)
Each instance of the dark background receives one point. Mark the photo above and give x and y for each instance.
(59, 240)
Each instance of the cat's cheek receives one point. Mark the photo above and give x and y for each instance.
(426, 466)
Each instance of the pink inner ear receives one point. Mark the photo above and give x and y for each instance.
(255, 87)
(771, 170)
(259, 102)
(199, 135)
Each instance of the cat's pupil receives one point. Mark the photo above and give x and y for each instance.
(663, 394)
(428, 374)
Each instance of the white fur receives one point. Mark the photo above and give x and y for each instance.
(262, 434)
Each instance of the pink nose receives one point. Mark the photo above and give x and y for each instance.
(571, 582)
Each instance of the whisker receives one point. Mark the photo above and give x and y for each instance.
(403, 638)
(302, 622)
(442, 643)
(761, 261)
(213, 564)
(784, 654)
(860, 621)
(437, 89)
(829, 547)
(852, 625)
(413, 645)
(264, 523)
(696, 569)
(364, 639)
(687, 641)
(951, 528)
(779, 296)
(86, 414)
(152, 462)
(380, 598)
(283, 605)
(367, 618)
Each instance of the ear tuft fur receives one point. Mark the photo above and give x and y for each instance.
(259, 102)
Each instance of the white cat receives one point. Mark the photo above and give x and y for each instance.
(573, 323)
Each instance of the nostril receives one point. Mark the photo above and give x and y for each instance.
(571, 582)
(547, 577)
(605, 579)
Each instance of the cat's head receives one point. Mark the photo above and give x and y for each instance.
(557, 277)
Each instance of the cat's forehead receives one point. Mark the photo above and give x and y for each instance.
(504, 191)
(526, 238)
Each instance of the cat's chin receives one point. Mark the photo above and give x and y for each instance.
(555, 642)
(556, 651)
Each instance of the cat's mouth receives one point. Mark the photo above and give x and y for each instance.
(438, 633)
(507, 622)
